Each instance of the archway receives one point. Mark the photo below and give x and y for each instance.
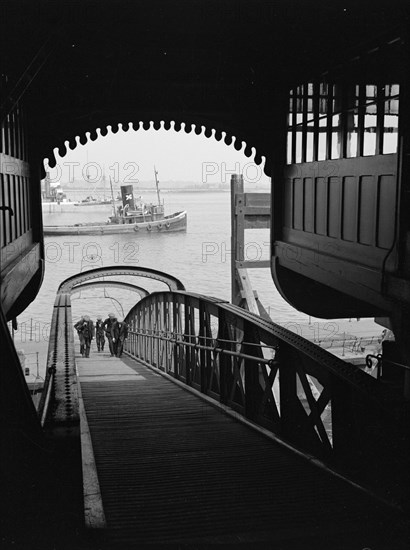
(67, 286)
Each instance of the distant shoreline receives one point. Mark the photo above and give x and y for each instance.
(190, 190)
(97, 191)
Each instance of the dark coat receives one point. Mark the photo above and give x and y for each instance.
(107, 325)
(85, 329)
(119, 331)
(99, 327)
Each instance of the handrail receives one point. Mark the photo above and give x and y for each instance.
(212, 348)
(304, 394)
(44, 403)
(261, 346)
(338, 367)
(319, 342)
(44, 407)
(400, 365)
(264, 372)
(60, 396)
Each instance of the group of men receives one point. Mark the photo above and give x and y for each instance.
(114, 329)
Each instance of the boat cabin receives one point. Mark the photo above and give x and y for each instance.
(142, 213)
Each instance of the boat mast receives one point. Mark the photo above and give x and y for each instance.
(112, 198)
(87, 173)
(157, 184)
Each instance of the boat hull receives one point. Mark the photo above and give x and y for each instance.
(173, 222)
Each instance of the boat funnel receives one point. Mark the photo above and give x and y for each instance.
(127, 195)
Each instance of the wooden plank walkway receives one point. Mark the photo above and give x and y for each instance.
(173, 469)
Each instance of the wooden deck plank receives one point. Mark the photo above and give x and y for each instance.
(173, 469)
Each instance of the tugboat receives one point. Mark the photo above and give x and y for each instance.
(132, 216)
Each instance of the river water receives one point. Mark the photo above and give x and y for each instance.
(199, 257)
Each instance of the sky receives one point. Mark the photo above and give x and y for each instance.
(178, 156)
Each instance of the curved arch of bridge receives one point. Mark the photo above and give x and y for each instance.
(68, 285)
(114, 284)
(100, 127)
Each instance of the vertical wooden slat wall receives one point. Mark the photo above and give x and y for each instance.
(15, 219)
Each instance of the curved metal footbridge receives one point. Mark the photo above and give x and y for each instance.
(215, 427)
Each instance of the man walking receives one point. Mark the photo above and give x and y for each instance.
(107, 326)
(99, 334)
(85, 331)
(119, 333)
(79, 332)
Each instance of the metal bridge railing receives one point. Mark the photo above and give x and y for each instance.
(59, 401)
(276, 379)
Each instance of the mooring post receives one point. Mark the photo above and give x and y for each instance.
(248, 210)
(237, 235)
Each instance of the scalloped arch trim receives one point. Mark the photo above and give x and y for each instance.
(238, 142)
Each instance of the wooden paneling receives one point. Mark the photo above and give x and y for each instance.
(15, 220)
(298, 202)
(18, 276)
(350, 202)
(18, 203)
(334, 207)
(13, 165)
(367, 209)
(309, 205)
(25, 204)
(4, 214)
(288, 210)
(386, 206)
(321, 206)
(10, 253)
(20, 253)
(349, 211)
(28, 209)
(12, 204)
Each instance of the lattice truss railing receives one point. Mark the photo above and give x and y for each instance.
(266, 373)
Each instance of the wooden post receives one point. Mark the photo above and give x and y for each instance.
(248, 210)
(237, 236)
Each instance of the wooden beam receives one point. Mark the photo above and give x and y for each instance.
(251, 265)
